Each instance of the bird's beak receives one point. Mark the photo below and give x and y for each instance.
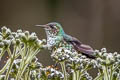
(43, 26)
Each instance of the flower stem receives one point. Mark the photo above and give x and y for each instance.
(64, 70)
(4, 68)
(77, 75)
(25, 62)
(74, 76)
(99, 77)
(11, 62)
(105, 73)
(2, 53)
(111, 72)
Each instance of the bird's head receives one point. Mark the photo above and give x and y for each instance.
(53, 29)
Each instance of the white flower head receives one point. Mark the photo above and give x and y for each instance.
(103, 50)
(19, 30)
(110, 56)
(33, 34)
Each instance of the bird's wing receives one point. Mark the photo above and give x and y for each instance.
(69, 38)
(79, 46)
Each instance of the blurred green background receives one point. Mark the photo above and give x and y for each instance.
(94, 22)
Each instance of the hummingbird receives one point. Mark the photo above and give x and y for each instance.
(55, 35)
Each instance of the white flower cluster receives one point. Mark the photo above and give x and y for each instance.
(51, 73)
(105, 58)
(62, 54)
(78, 62)
(21, 47)
(108, 63)
(74, 60)
(33, 68)
(7, 37)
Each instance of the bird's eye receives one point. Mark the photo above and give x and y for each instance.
(51, 26)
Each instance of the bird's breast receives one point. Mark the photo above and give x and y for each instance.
(51, 42)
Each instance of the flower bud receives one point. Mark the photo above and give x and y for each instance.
(27, 33)
(32, 38)
(23, 37)
(33, 34)
(6, 43)
(14, 34)
(8, 32)
(10, 37)
(1, 44)
(118, 56)
(100, 53)
(115, 53)
(103, 50)
(104, 62)
(19, 31)
(4, 29)
(99, 60)
(104, 55)
(17, 41)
